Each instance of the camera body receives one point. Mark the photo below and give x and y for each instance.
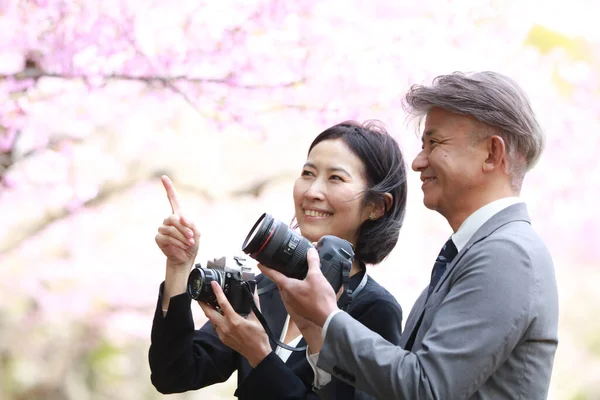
(277, 246)
(336, 257)
(234, 277)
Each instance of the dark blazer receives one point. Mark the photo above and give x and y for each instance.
(183, 359)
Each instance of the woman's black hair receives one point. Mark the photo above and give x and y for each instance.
(385, 172)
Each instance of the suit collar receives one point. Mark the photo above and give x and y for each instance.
(476, 220)
(516, 212)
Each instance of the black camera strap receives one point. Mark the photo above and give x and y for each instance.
(348, 293)
(263, 322)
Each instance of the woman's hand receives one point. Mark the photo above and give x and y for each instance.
(244, 335)
(178, 239)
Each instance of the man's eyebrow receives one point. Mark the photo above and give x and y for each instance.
(330, 169)
(427, 133)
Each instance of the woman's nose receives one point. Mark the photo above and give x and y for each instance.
(316, 190)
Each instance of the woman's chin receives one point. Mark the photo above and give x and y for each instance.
(312, 235)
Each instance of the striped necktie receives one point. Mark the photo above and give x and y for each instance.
(445, 257)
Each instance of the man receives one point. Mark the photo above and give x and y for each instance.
(486, 327)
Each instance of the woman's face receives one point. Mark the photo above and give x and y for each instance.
(328, 195)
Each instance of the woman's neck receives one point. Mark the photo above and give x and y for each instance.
(355, 268)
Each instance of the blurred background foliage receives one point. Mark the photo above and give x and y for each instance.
(98, 99)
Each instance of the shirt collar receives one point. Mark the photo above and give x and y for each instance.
(478, 218)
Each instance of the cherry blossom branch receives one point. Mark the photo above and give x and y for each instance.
(35, 73)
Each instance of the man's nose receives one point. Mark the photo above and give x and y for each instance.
(420, 162)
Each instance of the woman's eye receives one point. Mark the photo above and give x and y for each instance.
(336, 177)
(306, 173)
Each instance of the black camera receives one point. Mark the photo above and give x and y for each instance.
(275, 245)
(231, 274)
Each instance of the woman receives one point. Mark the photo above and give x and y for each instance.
(353, 185)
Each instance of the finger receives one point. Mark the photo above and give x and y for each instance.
(256, 299)
(164, 240)
(171, 194)
(191, 227)
(214, 318)
(275, 276)
(314, 263)
(176, 221)
(339, 293)
(251, 317)
(208, 310)
(173, 232)
(222, 300)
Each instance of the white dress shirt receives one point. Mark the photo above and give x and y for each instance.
(284, 354)
(460, 238)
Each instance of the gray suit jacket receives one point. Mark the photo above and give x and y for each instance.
(489, 328)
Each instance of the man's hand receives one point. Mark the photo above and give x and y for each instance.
(312, 298)
(244, 335)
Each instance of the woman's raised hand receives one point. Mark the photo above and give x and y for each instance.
(177, 237)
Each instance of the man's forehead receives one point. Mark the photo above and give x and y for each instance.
(438, 118)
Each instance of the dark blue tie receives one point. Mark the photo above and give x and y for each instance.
(445, 257)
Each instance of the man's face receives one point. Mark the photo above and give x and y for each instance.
(450, 163)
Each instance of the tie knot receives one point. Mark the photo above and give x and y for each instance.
(448, 252)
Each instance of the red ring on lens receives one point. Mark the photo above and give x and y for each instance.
(273, 226)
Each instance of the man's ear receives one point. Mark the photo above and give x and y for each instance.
(496, 158)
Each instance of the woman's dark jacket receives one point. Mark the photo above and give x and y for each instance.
(183, 359)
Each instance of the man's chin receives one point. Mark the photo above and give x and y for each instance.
(430, 203)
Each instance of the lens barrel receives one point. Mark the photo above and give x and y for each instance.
(275, 245)
(198, 285)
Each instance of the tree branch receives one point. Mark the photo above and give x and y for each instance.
(107, 191)
(35, 73)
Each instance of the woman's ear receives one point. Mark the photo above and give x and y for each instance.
(380, 207)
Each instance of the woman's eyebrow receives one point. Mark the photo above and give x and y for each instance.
(330, 169)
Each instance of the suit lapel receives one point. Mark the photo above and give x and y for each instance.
(516, 212)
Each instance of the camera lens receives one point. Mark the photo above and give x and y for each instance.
(276, 246)
(198, 286)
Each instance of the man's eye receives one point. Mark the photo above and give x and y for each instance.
(306, 173)
(336, 177)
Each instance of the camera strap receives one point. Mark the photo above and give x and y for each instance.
(263, 322)
(349, 295)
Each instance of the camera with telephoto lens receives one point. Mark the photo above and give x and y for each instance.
(275, 245)
(232, 275)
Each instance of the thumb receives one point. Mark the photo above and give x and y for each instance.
(314, 262)
(273, 275)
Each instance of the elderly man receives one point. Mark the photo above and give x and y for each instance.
(486, 326)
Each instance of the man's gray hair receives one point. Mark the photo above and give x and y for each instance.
(493, 99)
